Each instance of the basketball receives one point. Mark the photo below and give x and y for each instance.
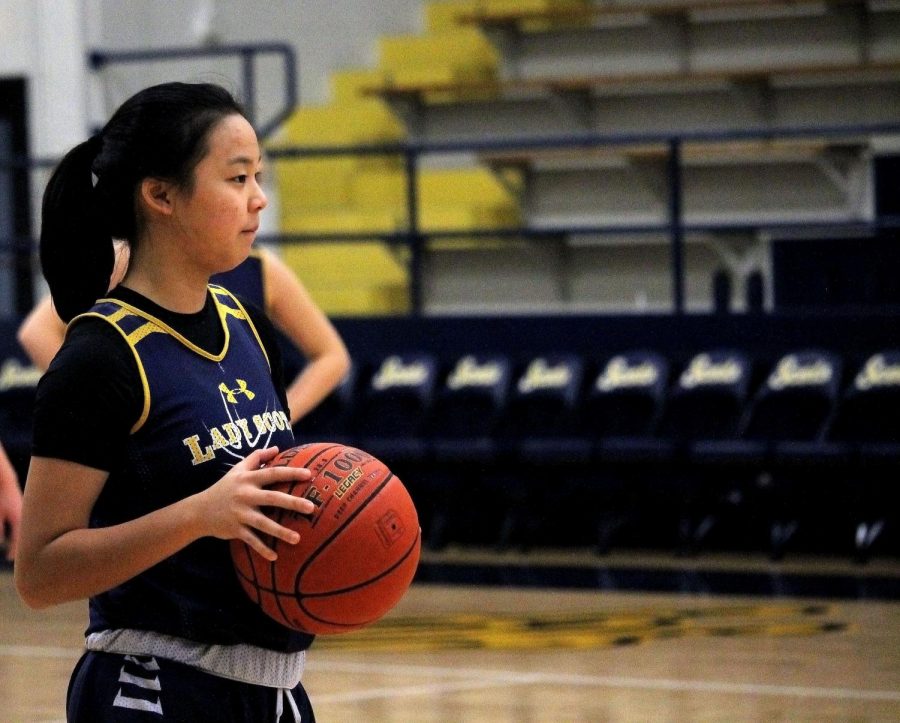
(357, 552)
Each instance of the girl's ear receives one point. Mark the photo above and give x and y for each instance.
(157, 195)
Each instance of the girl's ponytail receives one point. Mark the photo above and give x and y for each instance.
(160, 132)
(76, 247)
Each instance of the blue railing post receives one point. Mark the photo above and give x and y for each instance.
(676, 226)
(414, 233)
(98, 59)
(249, 83)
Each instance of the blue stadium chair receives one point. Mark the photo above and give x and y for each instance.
(780, 440)
(707, 400)
(624, 404)
(394, 401)
(620, 413)
(867, 415)
(542, 414)
(331, 420)
(704, 405)
(867, 421)
(468, 406)
(393, 406)
(802, 390)
(808, 384)
(540, 437)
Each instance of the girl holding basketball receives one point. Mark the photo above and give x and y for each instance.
(155, 420)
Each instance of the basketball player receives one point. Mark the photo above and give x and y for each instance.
(155, 420)
(263, 280)
(10, 506)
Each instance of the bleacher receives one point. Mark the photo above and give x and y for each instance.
(743, 85)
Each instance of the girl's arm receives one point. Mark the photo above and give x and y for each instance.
(61, 559)
(293, 311)
(10, 505)
(41, 333)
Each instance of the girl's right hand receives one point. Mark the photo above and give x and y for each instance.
(231, 507)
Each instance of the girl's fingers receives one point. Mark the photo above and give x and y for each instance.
(254, 543)
(272, 498)
(269, 527)
(277, 474)
(259, 457)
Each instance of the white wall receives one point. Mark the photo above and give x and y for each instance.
(47, 42)
(325, 36)
(42, 41)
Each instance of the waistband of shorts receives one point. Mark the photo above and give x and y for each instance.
(241, 662)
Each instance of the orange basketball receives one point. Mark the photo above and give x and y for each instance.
(357, 552)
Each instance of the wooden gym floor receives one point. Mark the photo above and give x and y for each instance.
(566, 636)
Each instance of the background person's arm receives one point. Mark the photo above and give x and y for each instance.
(10, 505)
(292, 309)
(41, 333)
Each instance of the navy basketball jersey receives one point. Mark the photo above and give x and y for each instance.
(245, 280)
(248, 281)
(202, 414)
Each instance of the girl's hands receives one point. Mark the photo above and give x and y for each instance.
(231, 507)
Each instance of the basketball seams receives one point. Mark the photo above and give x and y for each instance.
(254, 579)
(335, 533)
(379, 576)
(281, 597)
(276, 593)
(289, 455)
(412, 548)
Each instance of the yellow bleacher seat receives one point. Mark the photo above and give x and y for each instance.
(368, 194)
(320, 185)
(314, 183)
(464, 186)
(443, 15)
(459, 198)
(347, 122)
(348, 219)
(463, 47)
(352, 278)
(438, 59)
(352, 84)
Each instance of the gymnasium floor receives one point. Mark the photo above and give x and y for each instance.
(565, 636)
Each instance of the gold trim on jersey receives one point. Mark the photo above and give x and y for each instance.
(145, 385)
(221, 290)
(154, 325)
(134, 311)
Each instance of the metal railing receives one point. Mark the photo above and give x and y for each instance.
(99, 59)
(675, 226)
(18, 250)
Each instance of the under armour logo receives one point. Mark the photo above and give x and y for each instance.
(231, 394)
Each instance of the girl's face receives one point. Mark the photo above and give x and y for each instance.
(219, 216)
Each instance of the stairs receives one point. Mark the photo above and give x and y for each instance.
(356, 194)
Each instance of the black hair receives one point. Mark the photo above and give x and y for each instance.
(160, 132)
